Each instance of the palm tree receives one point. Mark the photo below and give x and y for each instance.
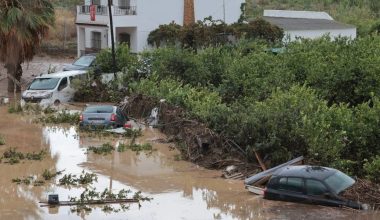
(23, 24)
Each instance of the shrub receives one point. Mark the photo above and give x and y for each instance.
(372, 169)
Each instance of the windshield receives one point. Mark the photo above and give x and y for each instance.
(44, 83)
(339, 182)
(99, 109)
(84, 61)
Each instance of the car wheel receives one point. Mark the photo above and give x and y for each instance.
(57, 102)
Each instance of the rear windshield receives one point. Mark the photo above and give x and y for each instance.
(339, 182)
(44, 83)
(84, 61)
(99, 109)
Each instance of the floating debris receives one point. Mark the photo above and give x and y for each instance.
(84, 179)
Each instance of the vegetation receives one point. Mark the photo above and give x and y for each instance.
(365, 14)
(60, 118)
(317, 98)
(105, 149)
(135, 147)
(83, 179)
(23, 25)
(2, 141)
(12, 156)
(212, 33)
(90, 195)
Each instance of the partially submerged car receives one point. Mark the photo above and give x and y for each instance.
(104, 116)
(84, 62)
(310, 184)
(304, 184)
(50, 89)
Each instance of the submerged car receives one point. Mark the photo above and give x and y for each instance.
(82, 63)
(50, 89)
(310, 184)
(102, 116)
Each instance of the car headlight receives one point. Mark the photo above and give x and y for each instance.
(47, 96)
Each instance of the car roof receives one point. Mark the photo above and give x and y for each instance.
(100, 106)
(306, 171)
(63, 74)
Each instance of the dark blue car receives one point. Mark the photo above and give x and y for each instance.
(107, 116)
(310, 184)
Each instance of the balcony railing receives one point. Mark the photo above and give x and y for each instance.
(99, 9)
(125, 10)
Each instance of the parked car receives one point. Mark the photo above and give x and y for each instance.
(102, 116)
(50, 89)
(82, 63)
(310, 184)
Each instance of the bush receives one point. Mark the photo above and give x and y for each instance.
(372, 169)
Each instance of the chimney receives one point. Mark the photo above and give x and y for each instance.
(189, 14)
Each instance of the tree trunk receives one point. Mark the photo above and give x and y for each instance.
(16, 72)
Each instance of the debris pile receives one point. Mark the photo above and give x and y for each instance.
(364, 191)
(195, 140)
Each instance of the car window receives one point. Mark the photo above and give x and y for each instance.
(99, 109)
(62, 84)
(315, 187)
(339, 181)
(85, 61)
(292, 184)
(44, 84)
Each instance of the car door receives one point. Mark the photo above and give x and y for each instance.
(318, 193)
(64, 93)
(292, 189)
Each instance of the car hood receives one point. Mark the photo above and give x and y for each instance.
(36, 93)
(69, 67)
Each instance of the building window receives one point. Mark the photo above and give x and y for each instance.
(95, 2)
(124, 4)
(96, 40)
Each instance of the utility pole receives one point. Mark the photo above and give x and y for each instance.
(112, 39)
(224, 11)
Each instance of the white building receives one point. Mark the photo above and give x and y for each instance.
(133, 20)
(308, 24)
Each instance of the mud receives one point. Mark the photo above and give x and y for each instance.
(180, 190)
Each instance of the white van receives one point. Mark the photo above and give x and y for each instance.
(54, 88)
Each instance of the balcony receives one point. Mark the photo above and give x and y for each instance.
(121, 15)
(127, 10)
(99, 10)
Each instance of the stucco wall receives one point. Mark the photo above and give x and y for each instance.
(152, 13)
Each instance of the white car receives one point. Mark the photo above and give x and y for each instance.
(52, 89)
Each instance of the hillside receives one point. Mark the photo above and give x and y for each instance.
(365, 14)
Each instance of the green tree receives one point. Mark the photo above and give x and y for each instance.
(23, 24)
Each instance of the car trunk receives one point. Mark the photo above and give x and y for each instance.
(97, 118)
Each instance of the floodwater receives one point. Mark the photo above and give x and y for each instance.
(180, 190)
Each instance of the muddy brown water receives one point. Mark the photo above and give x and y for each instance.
(180, 190)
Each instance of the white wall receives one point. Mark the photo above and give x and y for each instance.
(152, 13)
(88, 36)
(312, 34)
(214, 8)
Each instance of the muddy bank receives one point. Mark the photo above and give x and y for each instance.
(195, 140)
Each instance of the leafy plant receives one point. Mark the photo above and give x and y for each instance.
(105, 149)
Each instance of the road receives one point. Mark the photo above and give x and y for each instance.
(40, 64)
